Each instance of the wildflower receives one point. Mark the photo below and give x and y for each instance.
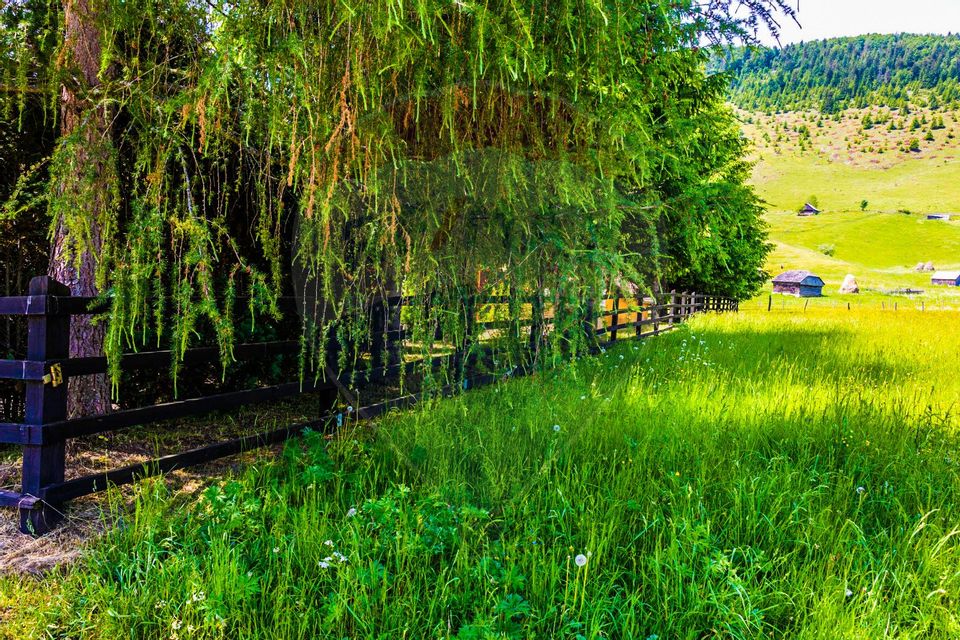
(276, 549)
(329, 543)
(351, 512)
(175, 624)
(861, 490)
(849, 593)
(340, 557)
(556, 428)
(580, 560)
(349, 409)
(323, 564)
(583, 397)
(199, 596)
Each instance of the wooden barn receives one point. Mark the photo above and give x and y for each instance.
(808, 210)
(802, 284)
(946, 278)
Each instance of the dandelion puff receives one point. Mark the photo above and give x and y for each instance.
(580, 560)
(556, 428)
(849, 593)
(861, 490)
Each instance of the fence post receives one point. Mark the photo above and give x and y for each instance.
(615, 318)
(48, 338)
(655, 315)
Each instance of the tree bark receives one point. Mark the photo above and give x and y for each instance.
(88, 395)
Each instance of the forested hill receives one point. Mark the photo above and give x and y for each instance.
(886, 70)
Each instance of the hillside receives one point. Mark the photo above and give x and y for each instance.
(892, 160)
(840, 73)
(873, 189)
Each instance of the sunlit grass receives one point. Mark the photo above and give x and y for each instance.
(753, 475)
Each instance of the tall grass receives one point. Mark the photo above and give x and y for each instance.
(760, 475)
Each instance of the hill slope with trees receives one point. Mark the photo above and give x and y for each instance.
(840, 73)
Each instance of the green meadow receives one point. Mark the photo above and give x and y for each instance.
(754, 475)
(880, 249)
(801, 156)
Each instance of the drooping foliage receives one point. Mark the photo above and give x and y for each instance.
(419, 146)
(841, 73)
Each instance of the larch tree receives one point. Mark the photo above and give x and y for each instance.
(561, 147)
(84, 178)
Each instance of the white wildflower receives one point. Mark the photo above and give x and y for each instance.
(351, 512)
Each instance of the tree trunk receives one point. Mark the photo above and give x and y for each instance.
(88, 395)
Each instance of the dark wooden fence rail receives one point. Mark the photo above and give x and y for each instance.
(45, 427)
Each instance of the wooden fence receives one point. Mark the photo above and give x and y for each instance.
(45, 427)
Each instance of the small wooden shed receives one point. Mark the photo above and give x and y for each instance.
(802, 284)
(808, 210)
(946, 278)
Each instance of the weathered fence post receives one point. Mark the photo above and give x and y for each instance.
(48, 338)
(655, 315)
(615, 317)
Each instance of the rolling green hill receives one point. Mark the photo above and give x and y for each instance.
(802, 156)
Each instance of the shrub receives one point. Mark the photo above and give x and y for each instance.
(827, 249)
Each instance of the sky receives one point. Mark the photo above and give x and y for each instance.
(831, 18)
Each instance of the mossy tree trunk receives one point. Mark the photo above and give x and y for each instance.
(71, 262)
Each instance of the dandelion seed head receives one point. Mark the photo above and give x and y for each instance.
(580, 560)
(556, 428)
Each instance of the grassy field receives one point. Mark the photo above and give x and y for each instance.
(879, 249)
(804, 155)
(758, 475)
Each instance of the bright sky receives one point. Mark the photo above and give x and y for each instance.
(830, 18)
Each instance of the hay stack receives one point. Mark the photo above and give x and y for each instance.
(849, 285)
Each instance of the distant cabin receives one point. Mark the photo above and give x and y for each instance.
(809, 210)
(938, 216)
(802, 284)
(946, 278)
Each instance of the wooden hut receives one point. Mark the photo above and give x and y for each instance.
(808, 210)
(802, 284)
(946, 278)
